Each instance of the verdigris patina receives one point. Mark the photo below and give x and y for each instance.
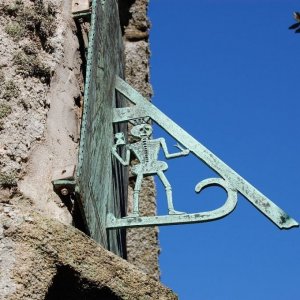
(146, 152)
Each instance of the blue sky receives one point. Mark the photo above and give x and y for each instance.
(228, 73)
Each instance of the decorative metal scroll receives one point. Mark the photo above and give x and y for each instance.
(146, 150)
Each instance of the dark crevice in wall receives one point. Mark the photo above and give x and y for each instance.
(82, 45)
(67, 284)
(79, 220)
(124, 13)
(77, 101)
(82, 31)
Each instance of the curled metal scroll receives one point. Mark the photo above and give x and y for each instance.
(206, 216)
(230, 202)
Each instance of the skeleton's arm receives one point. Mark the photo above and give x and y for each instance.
(124, 162)
(173, 155)
(121, 141)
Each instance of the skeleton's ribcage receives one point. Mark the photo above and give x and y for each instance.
(149, 168)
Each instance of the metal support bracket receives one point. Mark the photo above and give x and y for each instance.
(146, 152)
(81, 9)
(64, 182)
(64, 187)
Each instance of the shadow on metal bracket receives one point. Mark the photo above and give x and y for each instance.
(230, 181)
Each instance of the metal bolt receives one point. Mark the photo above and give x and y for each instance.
(64, 191)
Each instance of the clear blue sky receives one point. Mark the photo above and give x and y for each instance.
(227, 71)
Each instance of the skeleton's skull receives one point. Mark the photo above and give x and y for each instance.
(141, 130)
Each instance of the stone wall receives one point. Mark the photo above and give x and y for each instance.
(41, 90)
(45, 259)
(142, 243)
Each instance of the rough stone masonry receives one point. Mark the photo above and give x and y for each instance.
(41, 90)
(137, 53)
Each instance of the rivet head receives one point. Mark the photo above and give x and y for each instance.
(64, 191)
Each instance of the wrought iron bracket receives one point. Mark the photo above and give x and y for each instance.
(64, 182)
(229, 180)
(64, 187)
(81, 9)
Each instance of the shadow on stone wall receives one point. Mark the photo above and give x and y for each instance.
(67, 284)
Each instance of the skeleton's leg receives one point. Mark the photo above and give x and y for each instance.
(168, 188)
(136, 193)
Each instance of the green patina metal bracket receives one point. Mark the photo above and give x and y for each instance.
(81, 9)
(146, 150)
(64, 180)
(99, 184)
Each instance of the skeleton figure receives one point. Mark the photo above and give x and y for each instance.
(146, 150)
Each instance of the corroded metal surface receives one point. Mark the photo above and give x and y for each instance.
(102, 186)
(232, 182)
